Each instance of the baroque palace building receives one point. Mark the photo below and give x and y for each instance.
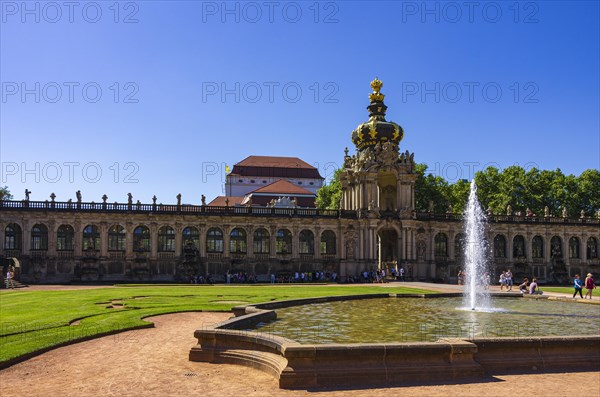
(263, 228)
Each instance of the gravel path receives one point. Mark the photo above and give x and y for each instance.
(154, 362)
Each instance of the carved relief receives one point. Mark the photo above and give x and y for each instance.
(350, 239)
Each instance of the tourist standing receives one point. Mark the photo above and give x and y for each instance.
(509, 280)
(9, 278)
(589, 285)
(578, 285)
(503, 280)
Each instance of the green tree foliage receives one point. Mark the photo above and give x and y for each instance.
(534, 189)
(5, 193)
(430, 188)
(329, 196)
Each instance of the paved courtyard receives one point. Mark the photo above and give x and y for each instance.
(153, 362)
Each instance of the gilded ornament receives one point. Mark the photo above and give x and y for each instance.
(396, 132)
(373, 130)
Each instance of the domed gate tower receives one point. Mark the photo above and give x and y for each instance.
(379, 183)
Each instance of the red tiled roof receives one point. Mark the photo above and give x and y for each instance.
(274, 162)
(275, 167)
(219, 201)
(282, 187)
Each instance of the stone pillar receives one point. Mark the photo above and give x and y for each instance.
(202, 240)
(317, 232)
(400, 244)
(26, 236)
(153, 240)
(2, 231)
(250, 241)
(378, 251)
(413, 255)
(360, 254)
(451, 245)
(273, 242)
(398, 194)
(51, 238)
(129, 240)
(178, 240)
(340, 244)
(103, 230)
(528, 246)
(226, 241)
(509, 245)
(77, 238)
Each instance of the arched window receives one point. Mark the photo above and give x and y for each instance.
(237, 241)
(441, 245)
(91, 238)
(166, 239)
(116, 238)
(592, 248)
(283, 242)
(307, 242)
(518, 246)
(459, 245)
(556, 247)
(537, 247)
(64, 238)
(191, 238)
(499, 246)
(328, 243)
(39, 238)
(141, 239)
(261, 242)
(574, 248)
(214, 241)
(12, 237)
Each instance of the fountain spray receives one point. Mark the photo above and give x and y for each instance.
(476, 293)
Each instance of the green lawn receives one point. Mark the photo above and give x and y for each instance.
(564, 290)
(34, 320)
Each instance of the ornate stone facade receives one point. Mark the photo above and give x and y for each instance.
(377, 226)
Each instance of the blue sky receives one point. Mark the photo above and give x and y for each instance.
(155, 97)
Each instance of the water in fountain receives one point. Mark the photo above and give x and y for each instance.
(477, 296)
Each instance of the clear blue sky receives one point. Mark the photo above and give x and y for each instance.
(162, 121)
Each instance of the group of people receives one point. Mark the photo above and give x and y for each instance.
(199, 279)
(398, 274)
(506, 280)
(589, 285)
(530, 288)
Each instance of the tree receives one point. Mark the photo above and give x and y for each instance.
(5, 193)
(430, 188)
(588, 191)
(329, 196)
(459, 195)
(534, 189)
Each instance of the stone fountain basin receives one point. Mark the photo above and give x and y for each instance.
(356, 365)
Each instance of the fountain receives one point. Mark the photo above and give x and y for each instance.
(476, 294)
(387, 339)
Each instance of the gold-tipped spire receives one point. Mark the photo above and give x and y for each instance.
(376, 96)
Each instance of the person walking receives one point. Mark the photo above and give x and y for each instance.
(589, 285)
(9, 278)
(578, 285)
